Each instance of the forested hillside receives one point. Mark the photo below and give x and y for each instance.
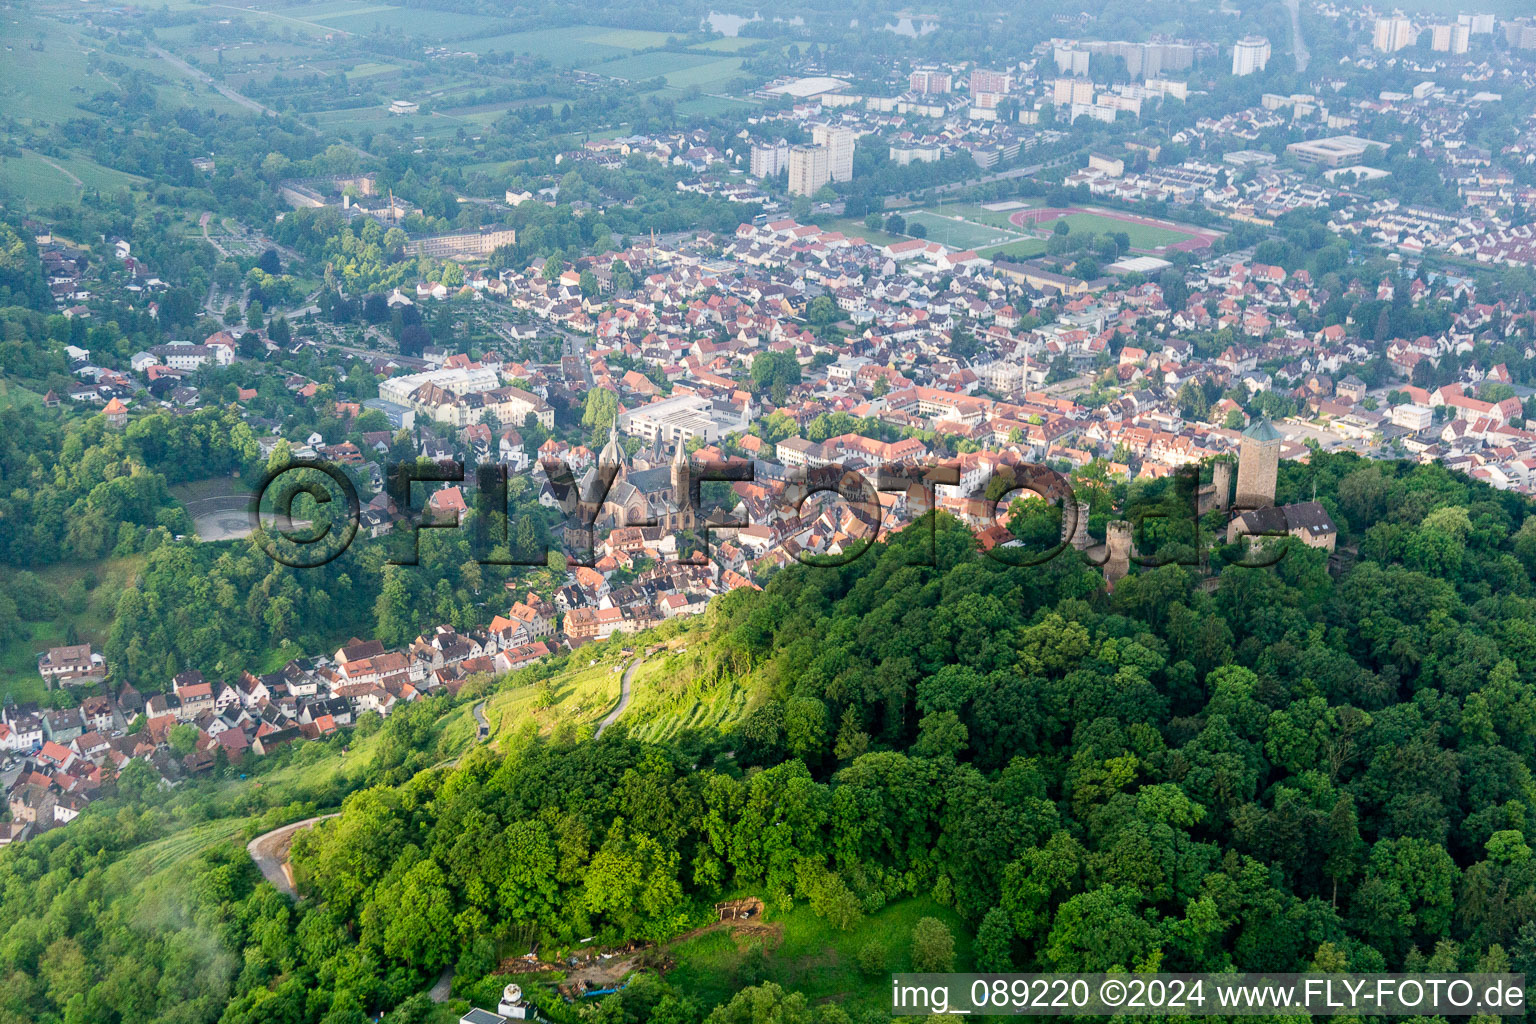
(1286, 770)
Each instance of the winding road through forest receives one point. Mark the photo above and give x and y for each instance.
(613, 715)
(270, 852)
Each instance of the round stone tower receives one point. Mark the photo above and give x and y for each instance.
(1258, 465)
(1221, 483)
(1118, 564)
(1074, 525)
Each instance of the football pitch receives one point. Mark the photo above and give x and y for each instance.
(959, 233)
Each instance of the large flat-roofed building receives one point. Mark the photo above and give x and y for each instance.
(460, 381)
(1333, 152)
(466, 243)
(459, 397)
(683, 418)
(1146, 60)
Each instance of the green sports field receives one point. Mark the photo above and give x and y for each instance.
(961, 234)
(1142, 236)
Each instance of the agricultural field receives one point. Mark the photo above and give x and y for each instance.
(369, 69)
(653, 64)
(436, 25)
(366, 121)
(33, 181)
(712, 106)
(730, 44)
(711, 77)
(667, 700)
(581, 695)
(13, 396)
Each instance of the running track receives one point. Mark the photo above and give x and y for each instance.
(1199, 238)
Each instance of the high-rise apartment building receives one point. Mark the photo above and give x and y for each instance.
(1394, 33)
(1071, 90)
(991, 81)
(1250, 54)
(808, 169)
(1455, 38)
(769, 158)
(839, 142)
(1477, 24)
(1071, 61)
(928, 81)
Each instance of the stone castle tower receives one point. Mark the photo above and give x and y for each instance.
(1258, 465)
(1221, 483)
(1074, 526)
(1118, 562)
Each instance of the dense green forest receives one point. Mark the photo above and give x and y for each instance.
(1284, 771)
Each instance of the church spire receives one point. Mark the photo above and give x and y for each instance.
(612, 453)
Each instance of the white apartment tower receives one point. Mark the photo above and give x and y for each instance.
(1071, 61)
(769, 158)
(808, 169)
(1250, 54)
(1455, 38)
(839, 143)
(1477, 24)
(1394, 33)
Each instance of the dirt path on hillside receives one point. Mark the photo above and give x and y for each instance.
(270, 852)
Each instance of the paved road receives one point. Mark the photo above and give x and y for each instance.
(485, 726)
(1016, 172)
(202, 76)
(576, 345)
(1298, 44)
(623, 696)
(270, 851)
(441, 990)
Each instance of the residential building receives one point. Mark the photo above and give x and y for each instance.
(839, 142)
(1071, 60)
(769, 158)
(809, 169)
(1394, 33)
(1249, 55)
(929, 81)
(78, 663)
(1454, 38)
(1000, 82)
